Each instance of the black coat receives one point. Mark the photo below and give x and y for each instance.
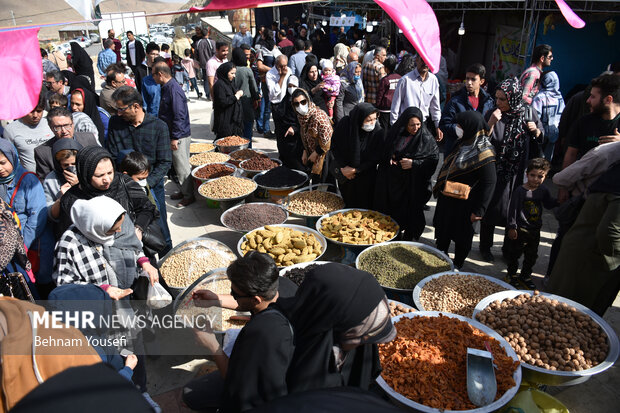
(228, 111)
(290, 148)
(140, 54)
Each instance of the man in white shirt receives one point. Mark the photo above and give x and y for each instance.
(277, 79)
(242, 36)
(418, 88)
(219, 58)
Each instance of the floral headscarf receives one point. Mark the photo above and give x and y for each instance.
(316, 131)
(514, 139)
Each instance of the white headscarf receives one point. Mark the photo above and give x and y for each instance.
(94, 217)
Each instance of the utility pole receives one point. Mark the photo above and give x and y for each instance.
(13, 17)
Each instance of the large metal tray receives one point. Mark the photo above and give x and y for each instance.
(229, 165)
(346, 244)
(301, 228)
(418, 288)
(237, 198)
(496, 405)
(281, 188)
(251, 172)
(253, 203)
(561, 378)
(231, 148)
(425, 247)
(323, 187)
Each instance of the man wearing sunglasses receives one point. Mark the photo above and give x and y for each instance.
(61, 123)
(255, 373)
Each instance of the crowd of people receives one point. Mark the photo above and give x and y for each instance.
(83, 199)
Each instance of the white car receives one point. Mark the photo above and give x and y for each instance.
(64, 48)
(82, 41)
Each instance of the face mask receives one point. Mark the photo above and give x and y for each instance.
(459, 132)
(142, 183)
(368, 127)
(356, 78)
(291, 90)
(72, 169)
(303, 109)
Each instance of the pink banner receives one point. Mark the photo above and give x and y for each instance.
(570, 16)
(21, 68)
(419, 24)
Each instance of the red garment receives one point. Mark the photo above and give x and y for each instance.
(385, 93)
(474, 101)
(117, 49)
(285, 43)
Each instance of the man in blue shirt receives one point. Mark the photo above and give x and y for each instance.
(106, 57)
(242, 36)
(298, 60)
(151, 91)
(173, 110)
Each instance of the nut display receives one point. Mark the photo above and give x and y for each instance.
(359, 227)
(259, 164)
(227, 187)
(457, 294)
(232, 141)
(214, 170)
(398, 309)
(427, 361)
(251, 216)
(184, 267)
(298, 275)
(243, 154)
(314, 203)
(285, 245)
(207, 157)
(547, 333)
(221, 316)
(400, 265)
(200, 147)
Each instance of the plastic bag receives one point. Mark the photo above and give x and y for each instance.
(158, 297)
(530, 400)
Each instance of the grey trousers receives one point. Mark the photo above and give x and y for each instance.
(180, 161)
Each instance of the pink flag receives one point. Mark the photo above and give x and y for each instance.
(570, 16)
(21, 66)
(419, 25)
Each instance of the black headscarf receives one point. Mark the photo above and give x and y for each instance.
(90, 108)
(356, 138)
(239, 58)
(398, 138)
(515, 132)
(222, 74)
(77, 81)
(266, 41)
(332, 299)
(307, 84)
(82, 63)
(228, 117)
(61, 145)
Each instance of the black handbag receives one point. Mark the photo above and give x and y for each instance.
(14, 285)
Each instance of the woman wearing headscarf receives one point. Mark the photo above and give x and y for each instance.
(97, 177)
(82, 63)
(287, 129)
(515, 134)
(356, 149)
(321, 46)
(338, 315)
(180, 42)
(267, 47)
(549, 105)
(471, 162)
(244, 81)
(83, 101)
(312, 83)
(227, 108)
(341, 52)
(316, 135)
(351, 90)
(409, 159)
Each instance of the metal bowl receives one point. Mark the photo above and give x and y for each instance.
(235, 199)
(496, 405)
(233, 167)
(300, 228)
(195, 152)
(253, 203)
(229, 149)
(425, 247)
(536, 374)
(203, 241)
(251, 172)
(323, 188)
(214, 275)
(237, 162)
(346, 244)
(197, 166)
(282, 188)
(418, 288)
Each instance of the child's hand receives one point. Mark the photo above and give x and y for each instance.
(512, 234)
(131, 361)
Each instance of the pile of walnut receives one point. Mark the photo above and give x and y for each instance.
(547, 333)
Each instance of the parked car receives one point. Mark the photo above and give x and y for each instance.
(63, 47)
(82, 41)
(94, 37)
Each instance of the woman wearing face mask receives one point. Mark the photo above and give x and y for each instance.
(316, 135)
(227, 108)
(287, 129)
(515, 134)
(356, 151)
(351, 90)
(409, 160)
(471, 162)
(97, 177)
(310, 80)
(62, 178)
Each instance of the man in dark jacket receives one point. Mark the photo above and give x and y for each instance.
(471, 97)
(173, 110)
(135, 58)
(205, 49)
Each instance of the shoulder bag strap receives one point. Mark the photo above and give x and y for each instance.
(19, 182)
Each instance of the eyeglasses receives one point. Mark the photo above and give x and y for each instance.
(58, 128)
(238, 296)
(301, 102)
(123, 109)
